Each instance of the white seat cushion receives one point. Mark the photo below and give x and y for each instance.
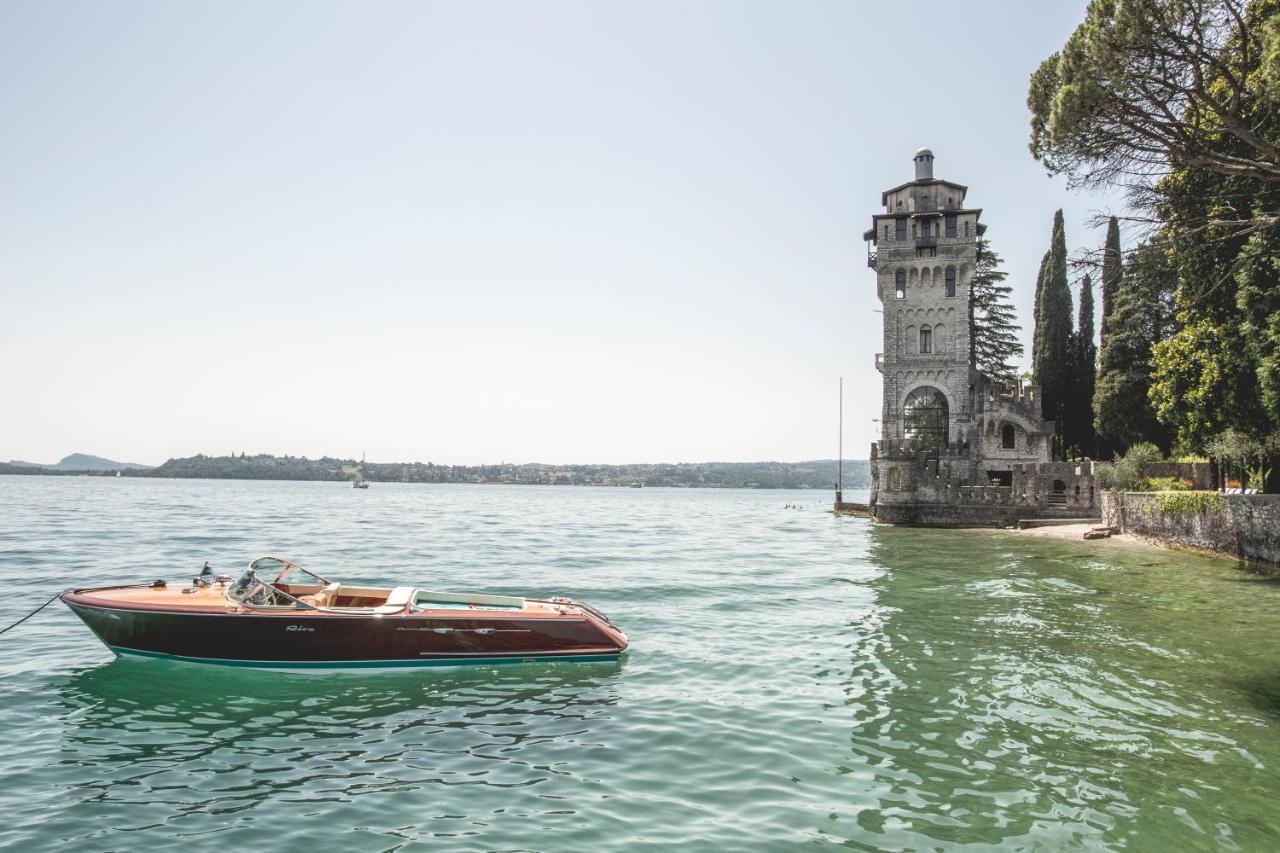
(396, 601)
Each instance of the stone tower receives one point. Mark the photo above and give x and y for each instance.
(956, 447)
(924, 247)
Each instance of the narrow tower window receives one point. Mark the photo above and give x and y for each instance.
(926, 339)
(900, 228)
(1007, 436)
(950, 225)
(951, 281)
(900, 284)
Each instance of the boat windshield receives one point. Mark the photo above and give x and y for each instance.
(273, 570)
(262, 585)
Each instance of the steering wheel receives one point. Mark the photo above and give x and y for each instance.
(261, 595)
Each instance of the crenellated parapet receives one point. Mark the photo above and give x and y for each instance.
(911, 479)
(906, 448)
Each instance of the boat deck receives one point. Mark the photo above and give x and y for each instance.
(213, 599)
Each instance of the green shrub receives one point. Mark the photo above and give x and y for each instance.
(1144, 453)
(1122, 475)
(1168, 484)
(1125, 474)
(1188, 501)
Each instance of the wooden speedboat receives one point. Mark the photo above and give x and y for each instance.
(282, 616)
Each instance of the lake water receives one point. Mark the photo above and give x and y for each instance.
(795, 680)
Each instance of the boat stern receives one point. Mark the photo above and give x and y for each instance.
(610, 633)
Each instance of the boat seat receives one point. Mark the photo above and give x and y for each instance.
(322, 598)
(397, 599)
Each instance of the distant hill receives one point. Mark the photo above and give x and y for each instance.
(82, 462)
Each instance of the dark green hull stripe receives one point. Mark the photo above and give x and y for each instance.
(373, 664)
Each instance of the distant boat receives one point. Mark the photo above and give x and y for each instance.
(637, 485)
(117, 473)
(361, 483)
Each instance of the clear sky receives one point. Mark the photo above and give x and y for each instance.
(476, 232)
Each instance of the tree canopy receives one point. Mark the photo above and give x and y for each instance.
(1178, 101)
(1144, 87)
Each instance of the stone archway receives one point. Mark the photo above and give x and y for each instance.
(926, 416)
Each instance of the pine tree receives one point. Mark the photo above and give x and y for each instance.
(1112, 270)
(993, 337)
(1053, 362)
(1084, 355)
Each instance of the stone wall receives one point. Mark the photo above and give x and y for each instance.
(935, 487)
(1243, 526)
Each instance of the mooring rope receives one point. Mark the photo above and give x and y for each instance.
(32, 613)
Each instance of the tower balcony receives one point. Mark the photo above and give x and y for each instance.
(927, 242)
(871, 260)
(880, 362)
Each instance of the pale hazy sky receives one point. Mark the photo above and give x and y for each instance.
(474, 232)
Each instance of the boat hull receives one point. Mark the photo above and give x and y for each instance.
(328, 641)
(369, 665)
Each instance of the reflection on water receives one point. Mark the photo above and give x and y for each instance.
(795, 680)
(194, 745)
(1032, 693)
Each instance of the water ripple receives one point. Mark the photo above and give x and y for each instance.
(796, 680)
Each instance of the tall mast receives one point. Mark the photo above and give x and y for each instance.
(840, 452)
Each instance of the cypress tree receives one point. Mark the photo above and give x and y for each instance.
(1053, 365)
(1123, 413)
(1112, 270)
(1084, 354)
(1035, 312)
(993, 334)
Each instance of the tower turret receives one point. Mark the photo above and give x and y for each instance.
(924, 165)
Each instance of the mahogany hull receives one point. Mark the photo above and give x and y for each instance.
(311, 640)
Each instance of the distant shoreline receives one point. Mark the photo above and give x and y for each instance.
(816, 474)
(110, 475)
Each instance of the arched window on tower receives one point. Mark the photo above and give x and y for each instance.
(926, 339)
(900, 284)
(924, 416)
(950, 282)
(1007, 435)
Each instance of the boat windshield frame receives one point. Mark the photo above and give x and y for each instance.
(251, 585)
(267, 563)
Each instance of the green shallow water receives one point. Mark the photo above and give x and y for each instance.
(795, 681)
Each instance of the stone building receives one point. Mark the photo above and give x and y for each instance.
(957, 446)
